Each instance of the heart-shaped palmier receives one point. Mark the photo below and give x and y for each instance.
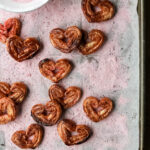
(17, 91)
(21, 49)
(66, 40)
(106, 11)
(4, 89)
(30, 138)
(65, 129)
(48, 114)
(11, 27)
(7, 110)
(67, 98)
(97, 110)
(92, 42)
(55, 71)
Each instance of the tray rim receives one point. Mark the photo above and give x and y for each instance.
(142, 71)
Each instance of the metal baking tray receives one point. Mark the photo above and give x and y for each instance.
(140, 10)
(142, 71)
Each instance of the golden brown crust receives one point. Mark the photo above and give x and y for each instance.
(7, 110)
(21, 49)
(11, 27)
(55, 71)
(97, 110)
(92, 42)
(67, 98)
(106, 12)
(18, 91)
(65, 129)
(48, 114)
(66, 40)
(23, 138)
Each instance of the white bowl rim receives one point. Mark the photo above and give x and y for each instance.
(26, 7)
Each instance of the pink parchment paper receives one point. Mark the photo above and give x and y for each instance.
(113, 71)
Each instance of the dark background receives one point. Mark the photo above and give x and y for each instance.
(147, 76)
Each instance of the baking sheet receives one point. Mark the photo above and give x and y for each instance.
(113, 71)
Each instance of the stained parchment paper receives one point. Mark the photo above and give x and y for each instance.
(113, 71)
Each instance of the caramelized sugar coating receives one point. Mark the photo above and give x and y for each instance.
(66, 40)
(55, 71)
(17, 91)
(48, 114)
(7, 110)
(92, 42)
(106, 11)
(20, 49)
(11, 27)
(65, 129)
(31, 138)
(67, 98)
(96, 109)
